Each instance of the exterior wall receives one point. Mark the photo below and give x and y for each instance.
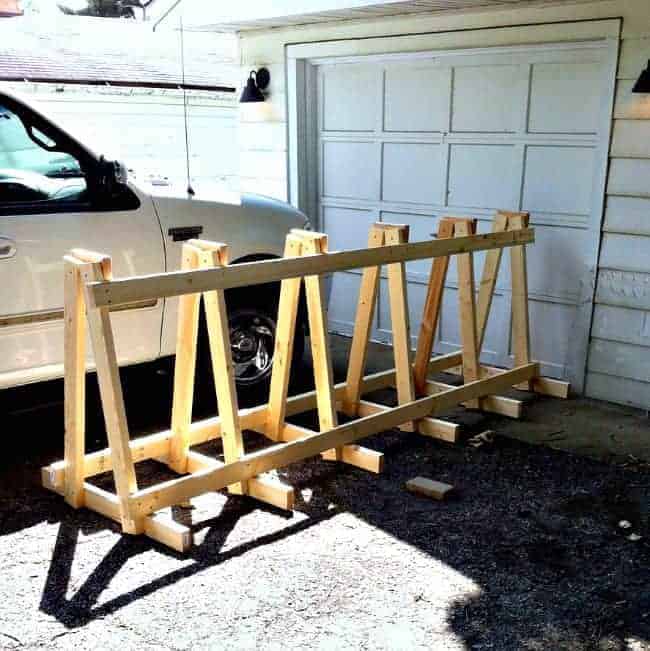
(619, 356)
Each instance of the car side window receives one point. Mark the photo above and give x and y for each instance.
(35, 169)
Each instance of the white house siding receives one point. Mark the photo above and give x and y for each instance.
(145, 129)
(619, 355)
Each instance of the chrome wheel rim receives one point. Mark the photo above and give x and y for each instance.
(252, 338)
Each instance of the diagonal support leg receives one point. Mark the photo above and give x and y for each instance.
(74, 381)
(98, 268)
(362, 328)
(185, 366)
(399, 317)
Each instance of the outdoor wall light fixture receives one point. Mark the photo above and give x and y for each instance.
(643, 82)
(257, 82)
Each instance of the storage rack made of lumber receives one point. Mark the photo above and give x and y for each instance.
(91, 293)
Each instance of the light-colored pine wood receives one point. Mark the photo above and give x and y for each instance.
(216, 317)
(431, 312)
(432, 427)
(134, 508)
(362, 328)
(284, 339)
(74, 382)
(467, 316)
(313, 244)
(184, 366)
(488, 281)
(429, 488)
(399, 320)
(175, 283)
(148, 500)
(494, 404)
(360, 457)
(110, 387)
(519, 276)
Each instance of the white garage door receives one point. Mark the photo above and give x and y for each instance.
(413, 138)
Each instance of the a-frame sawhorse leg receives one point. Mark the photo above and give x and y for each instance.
(382, 234)
(202, 254)
(299, 243)
(479, 305)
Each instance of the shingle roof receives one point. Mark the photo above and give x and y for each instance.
(83, 50)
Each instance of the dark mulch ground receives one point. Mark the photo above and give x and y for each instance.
(528, 555)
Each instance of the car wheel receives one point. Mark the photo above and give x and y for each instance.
(252, 330)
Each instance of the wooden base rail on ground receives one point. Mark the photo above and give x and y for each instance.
(91, 293)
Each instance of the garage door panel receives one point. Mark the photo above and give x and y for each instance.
(577, 84)
(347, 228)
(550, 343)
(412, 173)
(557, 261)
(349, 98)
(491, 87)
(416, 99)
(416, 297)
(350, 170)
(480, 176)
(558, 179)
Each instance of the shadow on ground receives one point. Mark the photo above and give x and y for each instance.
(535, 529)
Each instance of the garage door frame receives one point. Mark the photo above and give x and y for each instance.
(302, 61)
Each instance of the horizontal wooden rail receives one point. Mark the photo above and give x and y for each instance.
(177, 283)
(148, 500)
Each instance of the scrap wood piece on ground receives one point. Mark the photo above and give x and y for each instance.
(429, 487)
(483, 438)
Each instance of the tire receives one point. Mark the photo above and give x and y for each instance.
(252, 316)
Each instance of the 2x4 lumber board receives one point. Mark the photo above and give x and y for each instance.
(467, 314)
(216, 317)
(362, 328)
(176, 283)
(542, 385)
(429, 487)
(489, 280)
(96, 463)
(519, 277)
(359, 457)
(184, 366)
(550, 387)
(432, 307)
(265, 489)
(159, 526)
(494, 404)
(148, 500)
(353, 455)
(74, 381)
(399, 318)
(110, 388)
(433, 427)
(284, 340)
(314, 244)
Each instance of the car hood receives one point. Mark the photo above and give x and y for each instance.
(250, 224)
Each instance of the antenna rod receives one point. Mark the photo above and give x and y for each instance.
(190, 189)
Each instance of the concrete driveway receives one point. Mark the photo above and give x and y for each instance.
(529, 554)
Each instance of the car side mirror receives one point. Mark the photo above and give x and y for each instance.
(113, 173)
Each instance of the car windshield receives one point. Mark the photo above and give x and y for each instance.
(33, 167)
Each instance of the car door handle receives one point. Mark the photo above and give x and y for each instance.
(182, 233)
(7, 248)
